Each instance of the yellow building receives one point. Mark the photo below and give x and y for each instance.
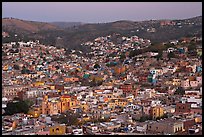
(84, 107)
(68, 102)
(5, 68)
(168, 83)
(51, 105)
(14, 81)
(117, 102)
(176, 82)
(39, 83)
(57, 105)
(130, 99)
(65, 103)
(156, 112)
(73, 103)
(57, 130)
(27, 75)
(86, 118)
(198, 119)
(52, 87)
(109, 96)
(35, 111)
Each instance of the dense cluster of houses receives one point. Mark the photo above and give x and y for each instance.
(123, 97)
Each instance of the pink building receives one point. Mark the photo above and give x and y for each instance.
(193, 83)
(196, 110)
(146, 110)
(43, 133)
(199, 79)
(185, 84)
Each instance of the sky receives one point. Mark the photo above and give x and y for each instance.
(100, 12)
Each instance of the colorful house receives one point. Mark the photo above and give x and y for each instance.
(156, 112)
(57, 130)
(151, 78)
(198, 69)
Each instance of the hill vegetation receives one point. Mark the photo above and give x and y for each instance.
(72, 37)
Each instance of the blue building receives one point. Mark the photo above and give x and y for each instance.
(198, 69)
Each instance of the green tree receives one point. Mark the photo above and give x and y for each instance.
(179, 91)
(97, 81)
(192, 46)
(16, 106)
(171, 55)
(135, 53)
(16, 67)
(122, 56)
(96, 66)
(159, 56)
(69, 118)
(29, 102)
(3, 53)
(144, 118)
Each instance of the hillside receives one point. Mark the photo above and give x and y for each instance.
(11, 24)
(66, 24)
(72, 37)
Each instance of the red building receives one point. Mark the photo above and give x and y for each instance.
(196, 110)
(145, 102)
(128, 88)
(183, 107)
(167, 22)
(143, 79)
(59, 87)
(188, 123)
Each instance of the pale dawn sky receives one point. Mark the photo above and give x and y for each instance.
(100, 12)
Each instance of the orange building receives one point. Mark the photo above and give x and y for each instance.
(35, 111)
(57, 130)
(57, 105)
(51, 105)
(119, 70)
(156, 112)
(39, 83)
(72, 79)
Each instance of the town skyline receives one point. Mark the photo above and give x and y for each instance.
(124, 76)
